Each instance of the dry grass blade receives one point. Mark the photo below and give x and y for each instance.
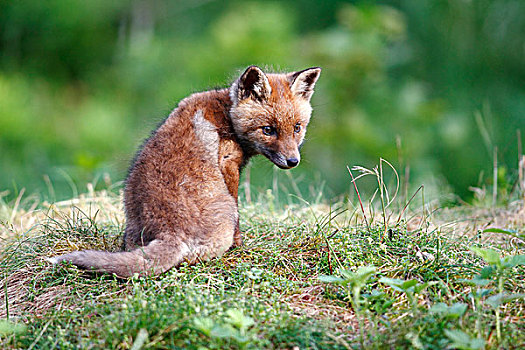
(390, 200)
(359, 197)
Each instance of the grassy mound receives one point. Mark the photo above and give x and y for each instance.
(308, 276)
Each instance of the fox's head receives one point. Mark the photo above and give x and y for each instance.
(270, 112)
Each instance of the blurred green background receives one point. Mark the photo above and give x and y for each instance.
(432, 86)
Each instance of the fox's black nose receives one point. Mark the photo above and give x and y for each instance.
(291, 162)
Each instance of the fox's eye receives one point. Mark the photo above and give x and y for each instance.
(297, 128)
(268, 130)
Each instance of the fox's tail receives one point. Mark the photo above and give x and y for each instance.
(152, 259)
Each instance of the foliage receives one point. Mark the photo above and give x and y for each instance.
(435, 85)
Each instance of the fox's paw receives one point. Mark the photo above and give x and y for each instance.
(237, 240)
(53, 260)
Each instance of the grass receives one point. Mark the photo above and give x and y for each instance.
(314, 276)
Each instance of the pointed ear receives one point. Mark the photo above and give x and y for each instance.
(302, 83)
(253, 83)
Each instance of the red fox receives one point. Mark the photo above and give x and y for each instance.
(180, 195)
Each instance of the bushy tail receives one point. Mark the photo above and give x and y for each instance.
(153, 259)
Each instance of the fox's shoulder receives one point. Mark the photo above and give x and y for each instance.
(210, 102)
(213, 105)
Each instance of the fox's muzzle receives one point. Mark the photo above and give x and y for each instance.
(282, 161)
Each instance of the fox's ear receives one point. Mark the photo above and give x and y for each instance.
(303, 82)
(253, 83)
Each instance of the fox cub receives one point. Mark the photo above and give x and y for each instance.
(181, 192)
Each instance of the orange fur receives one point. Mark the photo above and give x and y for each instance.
(181, 191)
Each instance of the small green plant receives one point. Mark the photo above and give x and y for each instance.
(411, 288)
(453, 311)
(497, 269)
(7, 328)
(354, 283)
(463, 341)
(476, 296)
(459, 339)
(235, 327)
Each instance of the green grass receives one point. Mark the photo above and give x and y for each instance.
(292, 284)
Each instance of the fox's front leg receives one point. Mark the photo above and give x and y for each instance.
(231, 175)
(237, 236)
(230, 159)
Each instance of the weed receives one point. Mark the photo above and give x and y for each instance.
(354, 283)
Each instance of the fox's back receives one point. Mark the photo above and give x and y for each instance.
(175, 176)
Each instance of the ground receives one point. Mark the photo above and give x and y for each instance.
(310, 275)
